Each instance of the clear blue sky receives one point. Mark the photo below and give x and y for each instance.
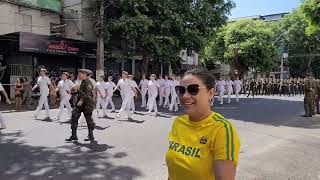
(262, 7)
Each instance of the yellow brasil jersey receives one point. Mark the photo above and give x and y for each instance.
(194, 146)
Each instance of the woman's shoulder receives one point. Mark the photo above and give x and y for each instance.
(220, 120)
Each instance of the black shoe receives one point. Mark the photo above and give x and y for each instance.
(90, 136)
(310, 115)
(72, 138)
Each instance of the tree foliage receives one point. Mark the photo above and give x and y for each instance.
(311, 9)
(300, 45)
(244, 44)
(161, 29)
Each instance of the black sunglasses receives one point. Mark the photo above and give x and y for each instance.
(192, 89)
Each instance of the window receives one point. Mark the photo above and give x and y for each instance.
(23, 22)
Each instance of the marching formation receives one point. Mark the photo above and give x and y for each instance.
(272, 86)
(87, 95)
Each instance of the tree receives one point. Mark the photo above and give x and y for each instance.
(159, 30)
(302, 47)
(311, 9)
(244, 44)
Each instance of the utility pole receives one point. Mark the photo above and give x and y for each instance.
(100, 40)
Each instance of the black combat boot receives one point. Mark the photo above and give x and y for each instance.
(90, 136)
(73, 136)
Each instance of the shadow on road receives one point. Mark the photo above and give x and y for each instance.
(132, 121)
(22, 161)
(268, 111)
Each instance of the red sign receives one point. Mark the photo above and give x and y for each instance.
(62, 46)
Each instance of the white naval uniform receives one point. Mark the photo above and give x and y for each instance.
(237, 88)
(229, 85)
(101, 96)
(161, 92)
(126, 94)
(132, 104)
(2, 123)
(153, 91)
(65, 87)
(174, 95)
(110, 87)
(144, 89)
(167, 93)
(43, 83)
(221, 89)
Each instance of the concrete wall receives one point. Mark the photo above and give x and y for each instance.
(72, 19)
(15, 19)
(79, 20)
(190, 60)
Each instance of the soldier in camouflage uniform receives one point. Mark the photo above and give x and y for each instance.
(309, 98)
(317, 95)
(85, 105)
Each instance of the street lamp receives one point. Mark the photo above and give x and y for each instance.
(284, 55)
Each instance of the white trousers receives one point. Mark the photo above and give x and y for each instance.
(109, 101)
(43, 102)
(229, 95)
(153, 102)
(161, 96)
(144, 98)
(125, 106)
(101, 103)
(173, 102)
(2, 123)
(65, 101)
(167, 98)
(237, 94)
(132, 105)
(221, 94)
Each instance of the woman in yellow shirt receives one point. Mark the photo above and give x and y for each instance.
(203, 145)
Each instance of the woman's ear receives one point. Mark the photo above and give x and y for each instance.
(212, 92)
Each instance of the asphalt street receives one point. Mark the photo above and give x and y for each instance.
(276, 144)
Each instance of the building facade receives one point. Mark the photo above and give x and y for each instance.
(32, 34)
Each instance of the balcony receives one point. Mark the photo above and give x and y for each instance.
(52, 5)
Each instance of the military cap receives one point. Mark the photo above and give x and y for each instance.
(85, 71)
(66, 73)
(44, 69)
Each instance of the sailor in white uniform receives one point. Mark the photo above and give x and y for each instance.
(144, 89)
(43, 83)
(237, 88)
(101, 89)
(174, 95)
(110, 88)
(161, 92)
(2, 123)
(64, 87)
(153, 89)
(229, 87)
(127, 92)
(166, 91)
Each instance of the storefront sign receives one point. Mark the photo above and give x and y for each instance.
(29, 42)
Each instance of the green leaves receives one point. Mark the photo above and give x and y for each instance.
(311, 9)
(161, 29)
(244, 44)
